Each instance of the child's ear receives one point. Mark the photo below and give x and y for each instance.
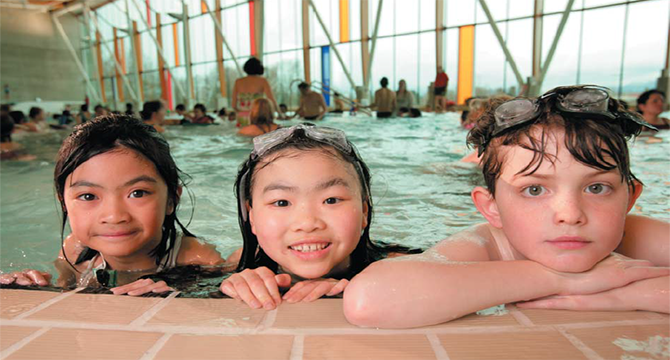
(366, 209)
(634, 192)
(487, 206)
(171, 205)
(250, 214)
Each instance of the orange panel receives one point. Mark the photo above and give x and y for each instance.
(175, 38)
(466, 61)
(344, 20)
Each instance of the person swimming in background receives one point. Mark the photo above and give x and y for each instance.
(312, 105)
(282, 114)
(37, 120)
(249, 88)
(119, 188)
(153, 113)
(100, 110)
(339, 104)
(385, 101)
(83, 115)
(305, 211)
(404, 100)
(200, 115)
(10, 150)
(650, 104)
(558, 190)
(261, 119)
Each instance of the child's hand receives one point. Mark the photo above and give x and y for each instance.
(613, 272)
(256, 287)
(26, 277)
(310, 290)
(140, 287)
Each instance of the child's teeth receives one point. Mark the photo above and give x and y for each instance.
(309, 248)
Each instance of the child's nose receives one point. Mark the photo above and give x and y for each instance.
(307, 219)
(114, 211)
(568, 210)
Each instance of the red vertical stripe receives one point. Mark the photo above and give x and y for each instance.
(252, 27)
(148, 13)
(169, 90)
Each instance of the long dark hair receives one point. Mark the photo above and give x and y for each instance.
(367, 250)
(113, 132)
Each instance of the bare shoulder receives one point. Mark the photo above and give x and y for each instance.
(197, 252)
(476, 243)
(646, 238)
(70, 250)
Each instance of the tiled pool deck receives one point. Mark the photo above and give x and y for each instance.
(50, 325)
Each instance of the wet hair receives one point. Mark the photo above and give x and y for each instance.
(34, 112)
(599, 144)
(129, 106)
(112, 133)
(180, 107)
(253, 66)
(644, 97)
(149, 108)
(5, 108)
(84, 107)
(222, 112)
(98, 107)
(18, 116)
(6, 128)
(384, 82)
(261, 114)
(366, 252)
(200, 107)
(283, 106)
(303, 86)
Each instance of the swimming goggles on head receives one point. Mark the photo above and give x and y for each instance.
(589, 101)
(266, 142)
(330, 136)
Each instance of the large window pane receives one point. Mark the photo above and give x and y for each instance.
(602, 46)
(563, 67)
(489, 61)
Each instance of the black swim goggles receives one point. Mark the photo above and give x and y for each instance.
(326, 135)
(586, 101)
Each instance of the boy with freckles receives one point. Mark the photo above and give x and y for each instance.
(558, 234)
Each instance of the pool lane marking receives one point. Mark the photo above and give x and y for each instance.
(157, 346)
(520, 317)
(23, 342)
(298, 347)
(438, 349)
(268, 319)
(48, 303)
(587, 351)
(142, 319)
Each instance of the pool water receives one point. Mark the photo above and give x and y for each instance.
(421, 191)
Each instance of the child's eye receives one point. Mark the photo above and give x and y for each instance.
(332, 201)
(534, 190)
(86, 197)
(138, 193)
(598, 189)
(281, 203)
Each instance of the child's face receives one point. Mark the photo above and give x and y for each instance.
(307, 211)
(654, 104)
(566, 216)
(198, 113)
(116, 204)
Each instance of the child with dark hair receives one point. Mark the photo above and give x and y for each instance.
(305, 210)
(650, 104)
(153, 113)
(558, 190)
(36, 120)
(10, 150)
(200, 115)
(119, 189)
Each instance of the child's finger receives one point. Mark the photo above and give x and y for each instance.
(302, 291)
(22, 279)
(244, 292)
(7, 279)
(37, 277)
(269, 278)
(261, 288)
(160, 286)
(119, 290)
(321, 289)
(338, 288)
(283, 280)
(228, 289)
(295, 289)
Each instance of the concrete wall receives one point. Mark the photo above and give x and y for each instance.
(34, 60)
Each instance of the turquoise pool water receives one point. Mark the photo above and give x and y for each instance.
(420, 190)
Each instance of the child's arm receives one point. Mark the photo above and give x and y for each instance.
(646, 238)
(456, 278)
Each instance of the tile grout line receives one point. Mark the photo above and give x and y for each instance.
(268, 320)
(48, 303)
(520, 317)
(583, 348)
(156, 347)
(23, 342)
(438, 349)
(298, 347)
(142, 319)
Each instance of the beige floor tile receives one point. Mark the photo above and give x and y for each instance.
(208, 312)
(96, 308)
(245, 347)
(74, 344)
(550, 317)
(15, 302)
(525, 345)
(10, 335)
(627, 342)
(480, 320)
(368, 347)
(324, 313)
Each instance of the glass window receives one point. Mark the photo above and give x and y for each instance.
(206, 87)
(427, 14)
(602, 46)
(450, 61)
(489, 62)
(459, 12)
(519, 8)
(406, 16)
(203, 40)
(149, 52)
(386, 21)
(383, 63)
(520, 44)
(406, 61)
(272, 26)
(355, 19)
(426, 67)
(563, 67)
